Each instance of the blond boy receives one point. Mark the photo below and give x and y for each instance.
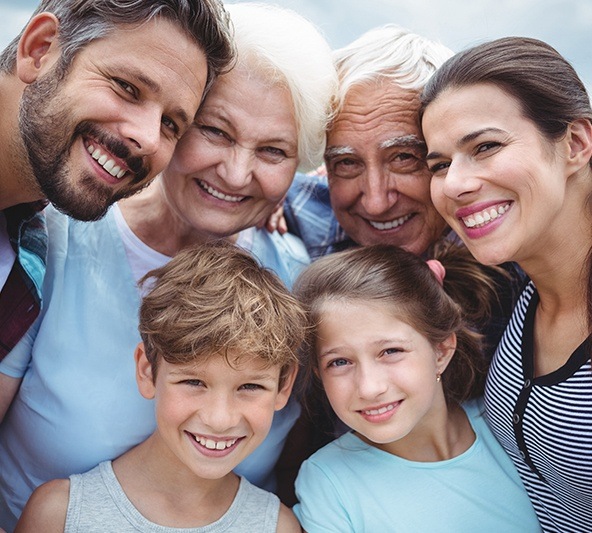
(218, 357)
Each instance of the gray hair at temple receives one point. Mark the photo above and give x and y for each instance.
(286, 49)
(83, 21)
(388, 53)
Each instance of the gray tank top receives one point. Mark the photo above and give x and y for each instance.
(99, 505)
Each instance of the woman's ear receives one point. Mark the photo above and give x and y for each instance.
(444, 352)
(144, 375)
(579, 139)
(38, 47)
(286, 389)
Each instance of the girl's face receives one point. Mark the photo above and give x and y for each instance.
(380, 374)
(496, 180)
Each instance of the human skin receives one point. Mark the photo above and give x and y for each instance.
(127, 99)
(378, 181)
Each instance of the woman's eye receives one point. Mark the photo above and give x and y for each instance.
(484, 147)
(437, 167)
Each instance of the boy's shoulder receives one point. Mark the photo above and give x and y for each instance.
(46, 509)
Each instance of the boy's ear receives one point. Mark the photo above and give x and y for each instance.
(144, 377)
(444, 352)
(38, 47)
(284, 393)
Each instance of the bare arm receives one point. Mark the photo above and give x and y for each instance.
(46, 509)
(287, 522)
(8, 388)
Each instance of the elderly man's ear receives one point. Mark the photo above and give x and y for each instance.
(38, 48)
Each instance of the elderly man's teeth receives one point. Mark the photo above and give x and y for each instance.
(108, 164)
(390, 225)
(484, 217)
(218, 194)
(214, 445)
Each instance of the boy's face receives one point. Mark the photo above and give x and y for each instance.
(210, 416)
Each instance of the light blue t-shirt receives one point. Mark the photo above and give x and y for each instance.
(349, 486)
(78, 403)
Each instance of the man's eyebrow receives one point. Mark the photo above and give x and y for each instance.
(412, 141)
(465, 139)
(179, 112)
(335, 151)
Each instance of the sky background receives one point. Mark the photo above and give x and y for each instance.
(565, 24)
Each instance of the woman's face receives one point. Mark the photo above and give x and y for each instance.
(500, 185)
(238, 159)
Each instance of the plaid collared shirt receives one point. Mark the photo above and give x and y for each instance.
(20, 298)
(309, 215)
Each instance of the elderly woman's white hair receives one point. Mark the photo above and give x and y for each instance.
(285, 48)
(389, 53)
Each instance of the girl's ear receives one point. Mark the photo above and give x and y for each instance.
(38, 47)
(444, 352)
(144, 376)
(284, 393)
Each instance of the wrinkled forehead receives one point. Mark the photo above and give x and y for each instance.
(378, 111)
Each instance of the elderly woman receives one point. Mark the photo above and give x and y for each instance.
(78, 404)
(509, 131)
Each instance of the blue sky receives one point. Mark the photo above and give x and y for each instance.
(565, 24)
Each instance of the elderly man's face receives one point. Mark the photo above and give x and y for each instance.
(379, 183)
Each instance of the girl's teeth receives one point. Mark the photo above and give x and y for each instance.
(214, 445)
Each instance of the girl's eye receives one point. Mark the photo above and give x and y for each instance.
(337, 363)
(391, 351)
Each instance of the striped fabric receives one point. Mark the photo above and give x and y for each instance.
(544, 423)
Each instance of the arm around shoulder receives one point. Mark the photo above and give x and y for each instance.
(46, 509)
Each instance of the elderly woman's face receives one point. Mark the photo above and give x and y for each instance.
(238, 159)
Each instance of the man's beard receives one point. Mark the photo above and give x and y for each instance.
(45, 130)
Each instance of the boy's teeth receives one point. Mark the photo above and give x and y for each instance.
(485, 216)
(214, 445)
(108, 164)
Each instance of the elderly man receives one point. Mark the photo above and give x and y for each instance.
(95, 95)
(378, 184)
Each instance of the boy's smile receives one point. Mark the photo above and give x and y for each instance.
(212, 414)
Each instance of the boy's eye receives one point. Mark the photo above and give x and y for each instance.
(337, 363)
(251, 386)
(193, 382)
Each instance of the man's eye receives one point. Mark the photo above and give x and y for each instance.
(126, 86)
(170, 124)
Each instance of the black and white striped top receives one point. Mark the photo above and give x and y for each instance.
(544, 423)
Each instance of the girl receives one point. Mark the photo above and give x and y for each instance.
(396, 359)
(513, 178)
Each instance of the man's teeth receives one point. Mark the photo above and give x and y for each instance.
(484, 217)
(389, 225)
(214, 445)
(380, 411)
(108, 164)
(218, 194)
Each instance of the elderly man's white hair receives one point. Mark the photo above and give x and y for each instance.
(285, 48)
(388, 53)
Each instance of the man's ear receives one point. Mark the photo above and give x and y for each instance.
(444, 352)
(144, 376)
(38, 47)
(284, 393)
